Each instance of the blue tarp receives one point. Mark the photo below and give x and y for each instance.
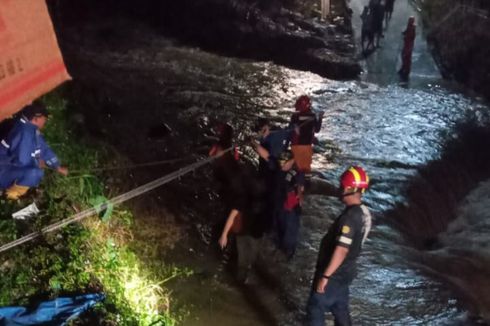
(54, 312)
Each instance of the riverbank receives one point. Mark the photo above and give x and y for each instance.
(98, 255)
(458, 33)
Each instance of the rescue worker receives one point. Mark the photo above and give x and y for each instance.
(290, 186)
(245, 221)
(226, 163)
(272, 143)
(274, 140)
(305, 124)
(24, 153)
(408, 44)
(224, 137)
(339, 250)
(225, 168)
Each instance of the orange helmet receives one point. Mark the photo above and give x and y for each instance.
(303, 103)
(355, 179)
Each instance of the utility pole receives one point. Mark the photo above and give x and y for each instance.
(325, 4)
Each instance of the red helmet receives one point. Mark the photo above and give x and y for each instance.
(303, 103)
(355, 179)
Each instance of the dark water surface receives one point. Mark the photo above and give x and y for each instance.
(393, 129)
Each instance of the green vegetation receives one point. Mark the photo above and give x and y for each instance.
(91, 256)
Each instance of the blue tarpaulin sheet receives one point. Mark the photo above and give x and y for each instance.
(54, 312)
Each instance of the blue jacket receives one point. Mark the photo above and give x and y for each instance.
(25, 147)
(277, 141)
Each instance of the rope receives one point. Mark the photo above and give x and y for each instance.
(114, 201)
(121, 167)
(121, 198)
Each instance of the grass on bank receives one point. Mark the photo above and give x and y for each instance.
(92, 256)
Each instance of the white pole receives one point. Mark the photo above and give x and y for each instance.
(325, 8)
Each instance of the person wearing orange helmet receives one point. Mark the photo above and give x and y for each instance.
(339, 250)
(305, 124)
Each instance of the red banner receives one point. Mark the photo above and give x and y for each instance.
(30, 59)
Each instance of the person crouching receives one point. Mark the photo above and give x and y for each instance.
(24, 153)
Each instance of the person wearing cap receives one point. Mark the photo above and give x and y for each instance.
(339, 250)
(24, 153)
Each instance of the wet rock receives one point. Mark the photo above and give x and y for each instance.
(468, 26)
(252, 30)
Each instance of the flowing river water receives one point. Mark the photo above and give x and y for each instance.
(397, 131)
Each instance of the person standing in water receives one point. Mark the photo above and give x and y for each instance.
(408, 44)
(389, 6)
(305, 124)
(339, 250)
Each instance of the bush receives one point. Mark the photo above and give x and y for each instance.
(91, 256)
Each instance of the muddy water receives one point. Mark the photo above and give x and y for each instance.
(394, 130)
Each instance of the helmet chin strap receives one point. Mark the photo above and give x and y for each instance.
(350, 193)
(347, 194)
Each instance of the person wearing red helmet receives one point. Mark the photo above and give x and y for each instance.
(305, 124)
(339, 249)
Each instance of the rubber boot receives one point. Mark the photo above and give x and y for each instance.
(15, 192)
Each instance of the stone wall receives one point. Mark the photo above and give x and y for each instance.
(459, 33)
(260, 30)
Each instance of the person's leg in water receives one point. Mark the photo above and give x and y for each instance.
(247, 251)
(406, 64)
(291, 232)
(335, 299)
(340, 309)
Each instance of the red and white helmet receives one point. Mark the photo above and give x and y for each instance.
(303, 103)
(354, 179)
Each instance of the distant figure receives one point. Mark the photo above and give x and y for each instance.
(389, 5)
(377, 10)
(339, 251)
(367, 34)
(24, 153)
(408, 43)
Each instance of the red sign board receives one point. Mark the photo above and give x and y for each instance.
(30, 59)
